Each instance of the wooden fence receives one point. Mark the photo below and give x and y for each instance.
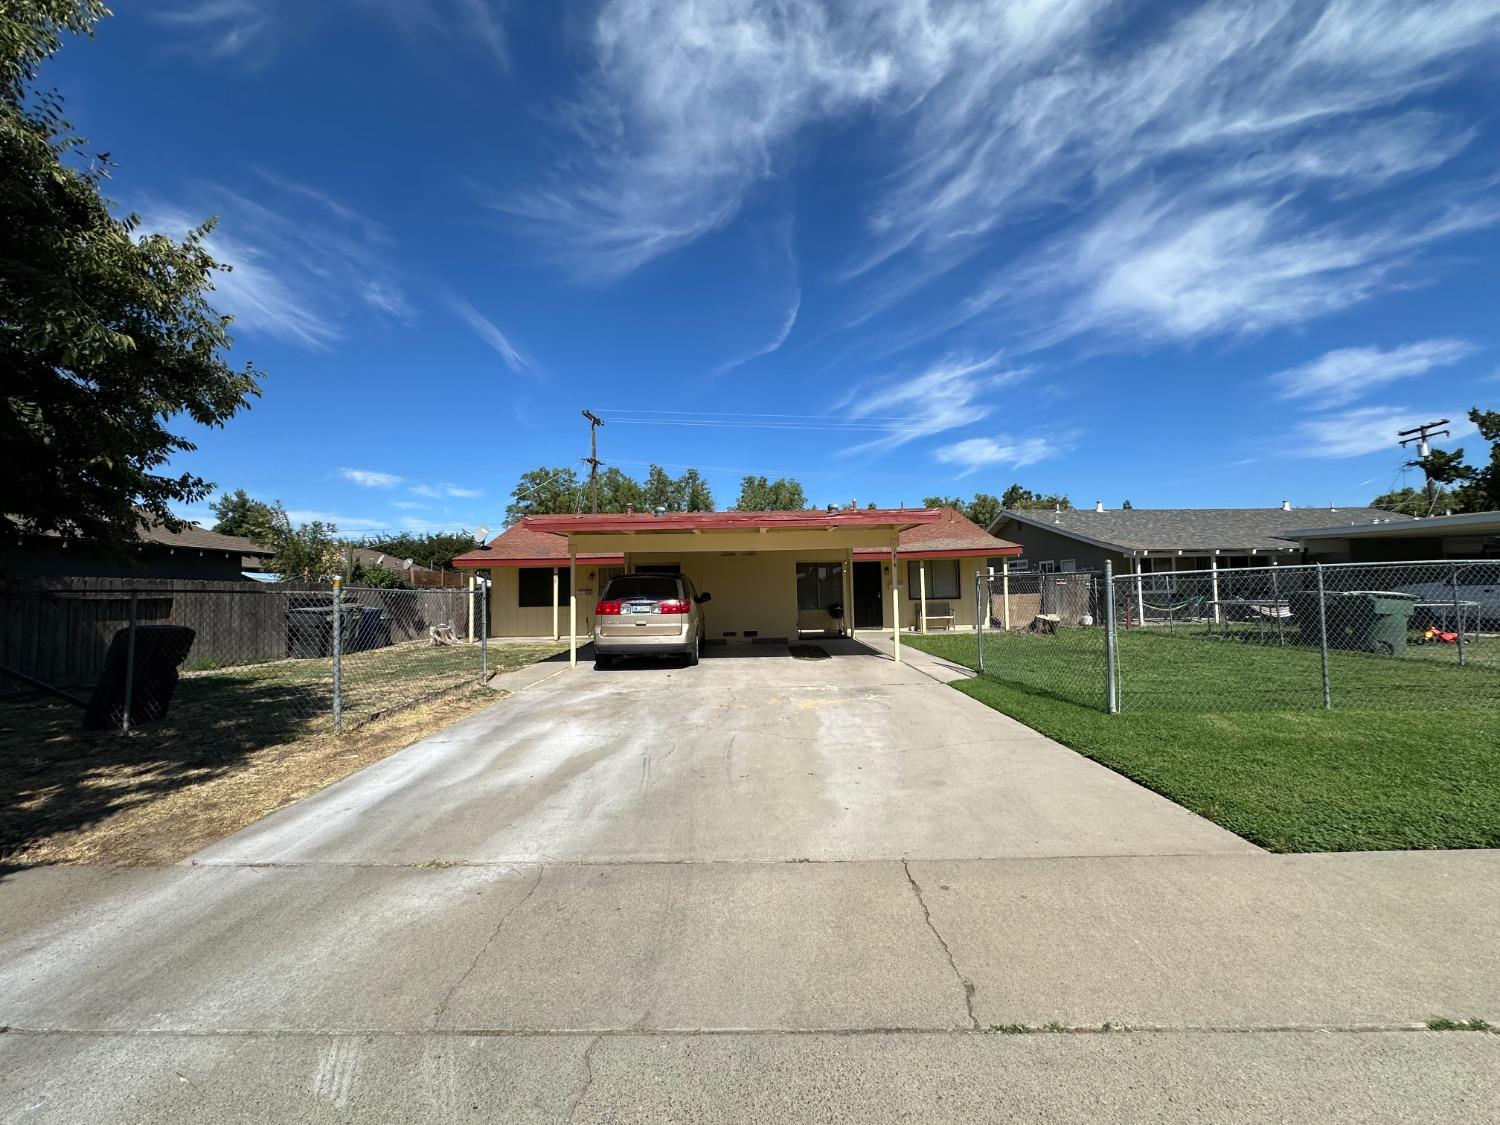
(58, 630)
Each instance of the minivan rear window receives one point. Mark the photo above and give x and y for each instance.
(656, 586)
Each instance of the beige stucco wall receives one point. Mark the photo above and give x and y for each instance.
(507, 619)
(754, 591)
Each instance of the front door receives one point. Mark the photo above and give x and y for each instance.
(868, 586)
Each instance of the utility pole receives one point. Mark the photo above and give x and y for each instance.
(1420, 434)
(593, 459)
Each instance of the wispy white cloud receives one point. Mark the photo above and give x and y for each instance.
(369, 478)
(225, 29)
(1189, 265)
(1369, 429)
(947, 395)
(492, 335)
(974, 454)
(295, 276)
(1095, 116)
(1343, 375)
(408, 505)
(446, 489)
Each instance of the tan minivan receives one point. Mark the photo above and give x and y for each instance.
(648, 615)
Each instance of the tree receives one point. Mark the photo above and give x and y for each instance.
(545, 492)
(379, 578)
(618, 491)
(780, 495)
(238, 513)
(982, 509)
(659, 489)
(309, 551)
(1016, 497)
(106, 336)
(693, 492)
(1412, 501)
(1127, 506)
(436, 549)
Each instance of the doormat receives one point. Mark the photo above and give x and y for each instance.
(808, 652)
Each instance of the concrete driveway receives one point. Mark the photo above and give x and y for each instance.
(752, 755)
(590, 902)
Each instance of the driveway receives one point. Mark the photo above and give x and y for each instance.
(753, 755)
(589, 902)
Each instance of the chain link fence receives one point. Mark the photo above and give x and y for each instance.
(274, 661)
(1423, 635)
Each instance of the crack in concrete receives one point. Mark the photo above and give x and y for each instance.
(442, 1007)
(588, 1078)
(968, 985)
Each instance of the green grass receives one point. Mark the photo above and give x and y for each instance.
(1444, 1024)
(1232, 732)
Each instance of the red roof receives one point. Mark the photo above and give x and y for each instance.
(951, 535)
(520, 546)
(732, 521)
(932, 533)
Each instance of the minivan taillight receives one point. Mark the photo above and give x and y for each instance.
(674, 605)
(606, 609)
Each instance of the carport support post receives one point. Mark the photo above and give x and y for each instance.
(572, 608)
(1112, 691)
(484, 625)
(849, 592)
(555, 633)
(895, 604)
(1323, 639)
(922, 593)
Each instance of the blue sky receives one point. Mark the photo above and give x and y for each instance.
(1187, 254)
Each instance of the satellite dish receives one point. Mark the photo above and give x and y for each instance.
(406, 564)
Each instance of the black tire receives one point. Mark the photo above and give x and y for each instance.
(603, 663)
(692, 656)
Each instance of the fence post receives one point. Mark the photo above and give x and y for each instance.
(1112, 691)
(129, 666)
(1458, 620)
(484, 629)
(1323, 640)
(1004, 593)
(981, 610)
(338, 654)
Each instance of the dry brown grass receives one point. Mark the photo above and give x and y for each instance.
(157, 828)
(238, 744)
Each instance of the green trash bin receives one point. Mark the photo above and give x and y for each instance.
(1379, 620)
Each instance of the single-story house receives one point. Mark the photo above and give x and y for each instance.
(773, 575)
(1471, 535)
(1167, 539)
(193, 553)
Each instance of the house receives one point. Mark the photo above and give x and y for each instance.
(1472, 535)
(1165, 539)
(422, 577)
(773, 575)
(193, 553)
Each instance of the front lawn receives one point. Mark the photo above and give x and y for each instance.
(1412, 759)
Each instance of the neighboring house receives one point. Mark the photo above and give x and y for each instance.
(1165, 539)
(194, 553)
(1472, 535)
(421, 577)
(772, 574)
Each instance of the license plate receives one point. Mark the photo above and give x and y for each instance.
(638, 608)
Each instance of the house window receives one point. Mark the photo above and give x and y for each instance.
(819, 585)
(1068, 566)
(1047, 566)
(942, 579)
(534, 587)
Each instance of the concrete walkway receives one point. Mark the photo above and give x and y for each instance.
(761, 889)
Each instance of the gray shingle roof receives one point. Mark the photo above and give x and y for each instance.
(1194, 529)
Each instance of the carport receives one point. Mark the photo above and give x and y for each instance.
(772, 574)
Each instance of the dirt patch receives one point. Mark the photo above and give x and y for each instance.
(164, 827)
